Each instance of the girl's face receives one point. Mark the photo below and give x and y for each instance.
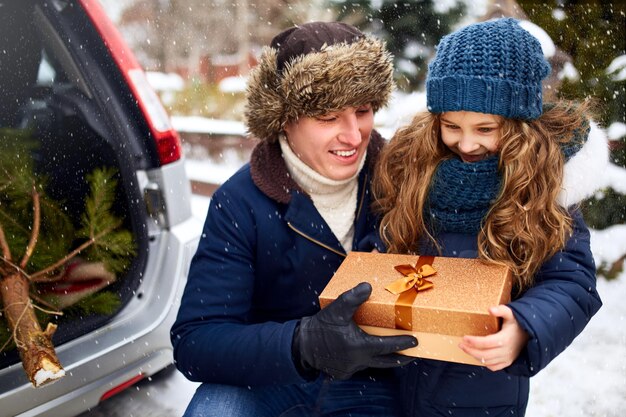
(472, 136)
(333, 144)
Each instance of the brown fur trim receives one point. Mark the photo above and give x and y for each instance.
(270, 173)
(338, 76)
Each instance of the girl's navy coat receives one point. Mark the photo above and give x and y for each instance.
(553, 312)
(264, 257)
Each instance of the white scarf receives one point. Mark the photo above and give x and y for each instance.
(334, 200)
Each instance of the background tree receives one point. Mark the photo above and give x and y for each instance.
(411, 29)
(593, 33)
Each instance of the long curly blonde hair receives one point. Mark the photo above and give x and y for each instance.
(525, 225)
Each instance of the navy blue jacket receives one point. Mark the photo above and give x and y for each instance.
(264, 257)
(553, 312)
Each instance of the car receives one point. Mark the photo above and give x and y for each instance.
(67, 76)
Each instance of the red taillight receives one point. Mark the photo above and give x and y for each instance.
(166, 138)
(121, 387)
(169, 147)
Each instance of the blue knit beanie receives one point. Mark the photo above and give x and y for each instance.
(493, 67)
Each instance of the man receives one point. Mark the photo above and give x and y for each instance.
(249, 326)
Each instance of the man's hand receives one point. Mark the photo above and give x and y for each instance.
(331, 342)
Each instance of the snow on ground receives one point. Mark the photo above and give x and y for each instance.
(215, 173)
(589, 377)
(199, 124)
(161, 81)
(233, 84)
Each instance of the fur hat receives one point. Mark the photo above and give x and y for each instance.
(493, 67)
(315, 69)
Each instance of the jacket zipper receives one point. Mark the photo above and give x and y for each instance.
(362, 199)
(317, 242)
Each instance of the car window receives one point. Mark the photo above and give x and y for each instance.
(35, 61)
(56, 64)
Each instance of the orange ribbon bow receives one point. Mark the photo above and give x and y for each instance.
(413, 278)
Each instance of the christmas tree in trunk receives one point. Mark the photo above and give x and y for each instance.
(41, 245)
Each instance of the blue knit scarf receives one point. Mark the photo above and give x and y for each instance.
(461, 194)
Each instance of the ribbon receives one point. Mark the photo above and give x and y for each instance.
(413, 279)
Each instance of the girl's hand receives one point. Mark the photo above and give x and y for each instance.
(499, 350)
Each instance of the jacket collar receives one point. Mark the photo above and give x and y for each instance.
(269, 171)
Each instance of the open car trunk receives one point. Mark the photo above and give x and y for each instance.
(77, 126)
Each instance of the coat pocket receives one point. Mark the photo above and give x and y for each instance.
(466, 387)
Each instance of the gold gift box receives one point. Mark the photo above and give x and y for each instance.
(456, 305)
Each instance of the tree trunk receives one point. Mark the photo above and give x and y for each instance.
(34, 345)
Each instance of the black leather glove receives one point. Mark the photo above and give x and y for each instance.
(331, 342)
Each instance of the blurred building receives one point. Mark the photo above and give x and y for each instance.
(208, 40)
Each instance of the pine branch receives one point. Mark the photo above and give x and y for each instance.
(51, 308)
(56, 237)
(6, 250)
(35, 233)
(6, 218)
(98, 206)
(18, 211)
(16, 268)
(103, 302)
(116, 248)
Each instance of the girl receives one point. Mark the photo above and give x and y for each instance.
(482, 175)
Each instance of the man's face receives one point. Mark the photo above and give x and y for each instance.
(335, 143)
